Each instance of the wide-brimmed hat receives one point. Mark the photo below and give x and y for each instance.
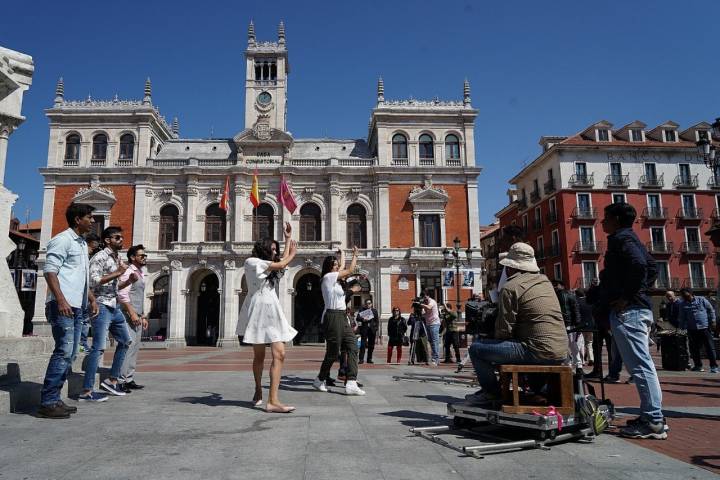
(521, 256)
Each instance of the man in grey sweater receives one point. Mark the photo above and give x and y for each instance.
(132, 299)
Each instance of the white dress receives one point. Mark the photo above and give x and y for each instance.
(261, 317)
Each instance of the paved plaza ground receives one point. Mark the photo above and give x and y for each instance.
(194, 420)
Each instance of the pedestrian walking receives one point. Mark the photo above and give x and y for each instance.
(132, 300)
(396, 328)
(697, 316)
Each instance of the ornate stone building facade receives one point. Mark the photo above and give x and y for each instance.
(401, 195)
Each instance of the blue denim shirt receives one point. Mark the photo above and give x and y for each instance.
(67, 257)
(696, 314)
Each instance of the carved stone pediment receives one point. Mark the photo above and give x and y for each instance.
(95, 195)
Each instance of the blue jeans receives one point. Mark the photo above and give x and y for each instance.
(433, 333)
(486, 353)
(66, 332)
(630, 333)
(112, 320)
(85, 328)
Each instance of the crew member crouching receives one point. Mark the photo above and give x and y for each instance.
(529, 328)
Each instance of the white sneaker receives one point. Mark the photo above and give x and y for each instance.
(352, 388)
(319, 385)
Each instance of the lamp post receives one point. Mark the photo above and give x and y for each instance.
(19, 257)
(452, 257)
(708, 151)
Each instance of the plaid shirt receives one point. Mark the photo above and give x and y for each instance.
(102, 264)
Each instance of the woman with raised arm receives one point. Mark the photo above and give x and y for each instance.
(336, 325)
(262, 320)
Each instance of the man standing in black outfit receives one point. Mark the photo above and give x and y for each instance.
(369, 322)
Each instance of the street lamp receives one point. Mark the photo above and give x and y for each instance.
(707, 150)
(20, 249)
(452, 257)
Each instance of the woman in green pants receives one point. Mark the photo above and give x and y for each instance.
(335, 323)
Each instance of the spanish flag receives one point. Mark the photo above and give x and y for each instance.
(255, 191)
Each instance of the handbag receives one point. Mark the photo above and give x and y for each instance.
(406, 341)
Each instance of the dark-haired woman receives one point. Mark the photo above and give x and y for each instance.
(262, 320)
(336, 324)
(396, 329)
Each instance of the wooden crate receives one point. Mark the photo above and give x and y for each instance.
(560, 388)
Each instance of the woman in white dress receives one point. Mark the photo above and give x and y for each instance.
(262, 320)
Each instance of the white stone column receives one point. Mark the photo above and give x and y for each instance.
(443, 233)
(237, 213)
(416, 229)
(382, 206)
(230, 311)
(40, 325)
(333, 214)
(190, 212)
(178, 303)
(473, 214)
(11, 312)
(141, 214)
(6, 128)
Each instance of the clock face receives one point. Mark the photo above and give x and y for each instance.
(264, 98)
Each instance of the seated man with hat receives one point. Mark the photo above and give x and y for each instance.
(529, 328)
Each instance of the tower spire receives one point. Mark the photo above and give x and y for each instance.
(466, 93)
(60, 92)
(281, 33)
(147, 99)
(251, 34)
(380, 90)
(175, 127)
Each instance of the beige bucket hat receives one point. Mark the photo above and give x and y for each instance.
(521, 256)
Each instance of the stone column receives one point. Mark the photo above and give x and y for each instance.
(141, 214)
(7, 126)
(333, 216)
(228, 325)
(473, 214)
(237, 213)
(178, 302)
(190, 213)
(40, 325)
(382, 216)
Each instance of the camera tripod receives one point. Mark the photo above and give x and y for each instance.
(416, 338)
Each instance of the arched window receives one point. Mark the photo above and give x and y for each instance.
(356, 226)
(426, 147)
(72, 147)
(214, 223)
(168, 227)
(127, 147)
(310, 225)
(263, 224)
(99, 146)
(399, 148)
(161, 291)
(452, 147)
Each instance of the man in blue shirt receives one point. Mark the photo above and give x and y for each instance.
(67, 274)
(697, 316)
(629, 271)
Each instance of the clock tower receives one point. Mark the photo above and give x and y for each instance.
(266, 74)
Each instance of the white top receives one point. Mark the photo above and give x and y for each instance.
(261, 317)
(332, 292)
(432, 316)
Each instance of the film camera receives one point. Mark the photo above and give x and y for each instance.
(480, 318)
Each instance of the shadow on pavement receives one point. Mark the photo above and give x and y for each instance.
(437, 398)
(215, 400)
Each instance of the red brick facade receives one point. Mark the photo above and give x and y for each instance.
(121, 213)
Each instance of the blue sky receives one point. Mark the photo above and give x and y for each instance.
(536, 68)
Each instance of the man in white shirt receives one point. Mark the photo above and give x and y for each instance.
(432, 322)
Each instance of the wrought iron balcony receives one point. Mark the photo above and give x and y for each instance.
(699, 282)
(549, 186)
(580, 180)
(522, 203)
(694, 248)
(652, 181)
(584, 282)
(593, 248)
(552, 217)
(713, 182)
(667, 283)
(660, 248)
(684, 181)
(584, 213)
(535, 196)
(655, 213)
(690, 213)
(617, 181)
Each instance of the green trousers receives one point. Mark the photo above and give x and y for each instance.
(338, 333)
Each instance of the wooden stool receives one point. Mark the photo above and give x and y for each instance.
(560, 388)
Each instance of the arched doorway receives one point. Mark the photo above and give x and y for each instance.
(308, 308)
(207, 323)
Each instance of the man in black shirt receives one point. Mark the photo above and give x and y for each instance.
(369, 322)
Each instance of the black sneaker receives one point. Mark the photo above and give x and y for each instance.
(67, 408)
(52, 411)
(131, 385)
(610, 379)
(634, 422)
(113, 389)
(697, 369)
(645, 429)
(330, 382)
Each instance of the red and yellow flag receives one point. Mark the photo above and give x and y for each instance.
(225, 198)
(255, 191)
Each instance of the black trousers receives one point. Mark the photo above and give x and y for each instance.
(700, 338)
(338, 333)
(452, 339)
(600, 337)
(367, 342)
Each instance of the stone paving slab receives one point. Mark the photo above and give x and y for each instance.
(201, 425)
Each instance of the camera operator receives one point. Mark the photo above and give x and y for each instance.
(451, 336)
(432, 322)
(369, 322)
(418, 335)
(529, 328)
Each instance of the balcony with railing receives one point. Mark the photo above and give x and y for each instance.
(540, 254)
(71, 162)
(713, 182)
(694, 248)
(652, 181)
(588, 248)
(522, 203)
(685, 181)
(553, 251)
(690, 214)
(582, 180)
(535, 196)
(617, 181)
(537, 225)
(549, 186)
(655, 213)
(702, 283)
(667, 283)
(399, 161)
(660, 248)
(584, 282)
(584, 213)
